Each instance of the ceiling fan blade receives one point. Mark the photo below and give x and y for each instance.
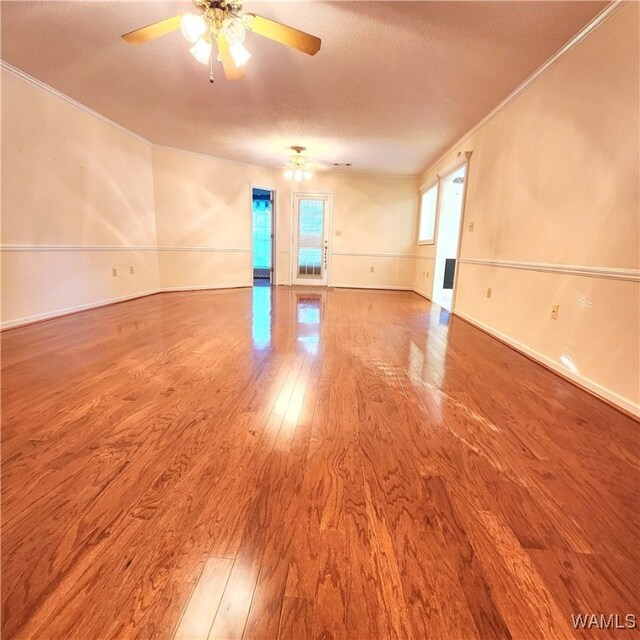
(283, 34)
(152, 31)
(230, 70)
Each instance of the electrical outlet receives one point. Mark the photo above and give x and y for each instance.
(489, 292)
(554, 311)
(338, 232)
(114, 272)
(424, 273)
(371, 269)
(131, 270)
(471, 226)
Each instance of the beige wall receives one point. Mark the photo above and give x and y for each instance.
(203, 216)
(553, 185)
(77, 201)
(373, 225)
(203, 213)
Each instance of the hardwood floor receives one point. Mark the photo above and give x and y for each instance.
(305, 464)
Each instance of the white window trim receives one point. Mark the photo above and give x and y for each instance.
(423, 189)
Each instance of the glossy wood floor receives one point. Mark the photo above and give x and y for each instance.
(305, 464)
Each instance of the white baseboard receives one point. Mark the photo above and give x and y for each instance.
(204, 287)
(47, 315)
(421, 293)
(57, 313)
(380, 287)
(585, 383)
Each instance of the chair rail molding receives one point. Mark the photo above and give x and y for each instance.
(607, 273)
(26, 248)
(68, 248)
(359, 254)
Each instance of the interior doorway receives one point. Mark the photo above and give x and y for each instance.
(447, 240)
(262, 236)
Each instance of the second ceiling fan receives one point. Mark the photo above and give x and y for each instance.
(221, 21)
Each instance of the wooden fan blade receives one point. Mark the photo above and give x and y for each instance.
(230, 70)
(283, 34)
(152, 31)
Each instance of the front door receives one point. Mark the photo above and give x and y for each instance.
(311, 238)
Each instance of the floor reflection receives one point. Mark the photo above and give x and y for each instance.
(203, 604)
(444, 316)
(308, 307)
(262, 317)
(428, 362)
(437, 343)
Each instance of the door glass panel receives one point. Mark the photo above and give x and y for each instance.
(310, 238)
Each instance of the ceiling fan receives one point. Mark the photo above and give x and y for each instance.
(222, 21)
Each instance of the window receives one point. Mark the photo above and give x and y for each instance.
(428, 215)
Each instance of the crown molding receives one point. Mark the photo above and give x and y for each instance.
(354, 174)
(63, 96)
(205, 156)
(6, 66)
(587, 30)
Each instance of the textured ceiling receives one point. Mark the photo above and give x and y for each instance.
(394, 85)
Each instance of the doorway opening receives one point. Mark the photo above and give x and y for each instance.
(312, 225)
(262, 236)
(447, 240)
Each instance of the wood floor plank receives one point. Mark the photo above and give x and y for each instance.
(487, 617)
(197, 619)
(304, 462)
(296, 622)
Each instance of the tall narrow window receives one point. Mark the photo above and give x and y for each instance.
(428, 205)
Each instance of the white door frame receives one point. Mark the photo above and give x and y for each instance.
(454, 166)
(327, 227)
(273, 231)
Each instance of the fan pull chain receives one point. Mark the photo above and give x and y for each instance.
(211, 78)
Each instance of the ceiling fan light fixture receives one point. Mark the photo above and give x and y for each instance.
(224, 22)
(239, 54)
(298, 168)
(201, 51)
(234, 29)
(193, 27)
